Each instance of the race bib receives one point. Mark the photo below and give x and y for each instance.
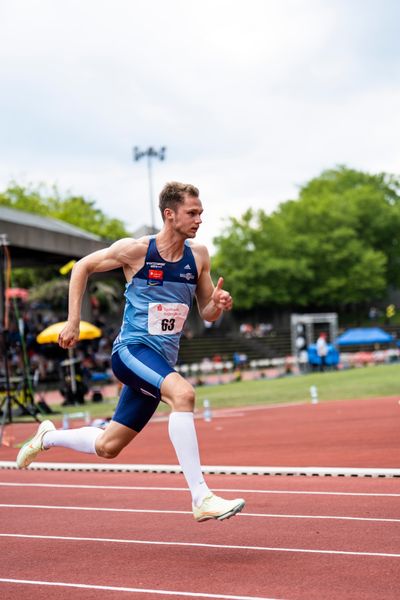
(167, 318)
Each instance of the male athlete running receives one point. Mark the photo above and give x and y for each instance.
(163, 274)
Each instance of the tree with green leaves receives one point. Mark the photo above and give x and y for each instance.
(336, 245)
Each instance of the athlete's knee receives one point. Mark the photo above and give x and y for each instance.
(183, 399)
(113, 439)
(108, 448)
(178, 393)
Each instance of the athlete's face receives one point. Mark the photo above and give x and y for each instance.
(187, 217)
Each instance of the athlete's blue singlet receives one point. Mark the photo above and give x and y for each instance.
(158, 300)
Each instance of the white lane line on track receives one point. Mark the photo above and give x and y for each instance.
(196, 545)
(113, 588)
(183, 489)
(209, 469)
(187, 512)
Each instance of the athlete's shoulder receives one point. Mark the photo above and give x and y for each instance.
(142, 242)
(128, 252)
(201, 255)
(197, 247)
(131, 246)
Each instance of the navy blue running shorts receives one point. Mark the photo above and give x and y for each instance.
(142, 371)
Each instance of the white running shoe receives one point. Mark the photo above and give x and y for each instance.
(31, 449)
(214, 507)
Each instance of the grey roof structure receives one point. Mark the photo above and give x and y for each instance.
(35, 240)
(20, 217)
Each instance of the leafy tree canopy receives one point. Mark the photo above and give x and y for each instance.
(73, 209)
(335, 245)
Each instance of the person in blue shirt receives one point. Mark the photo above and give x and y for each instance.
(164, 273)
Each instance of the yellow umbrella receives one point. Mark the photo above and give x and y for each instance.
(87, 331)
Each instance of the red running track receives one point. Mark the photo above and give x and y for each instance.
(357, 433)
(299, 538)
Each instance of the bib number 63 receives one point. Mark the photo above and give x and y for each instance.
(166, 318)
(167, 324)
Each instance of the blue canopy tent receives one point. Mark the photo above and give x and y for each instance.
(364, 335)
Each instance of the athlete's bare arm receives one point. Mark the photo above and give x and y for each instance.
(211, 300)
(126, 253)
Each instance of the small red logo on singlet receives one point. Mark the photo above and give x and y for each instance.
(156, 274)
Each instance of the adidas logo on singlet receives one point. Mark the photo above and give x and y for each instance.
(187, 267)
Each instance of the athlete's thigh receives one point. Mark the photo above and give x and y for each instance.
(115, 437)
(142, 371)
(141, 368)
(134, 409)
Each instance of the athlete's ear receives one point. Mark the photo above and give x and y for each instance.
(168, 213)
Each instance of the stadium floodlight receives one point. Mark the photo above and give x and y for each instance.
(150, 153)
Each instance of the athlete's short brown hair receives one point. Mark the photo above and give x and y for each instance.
(173, 193)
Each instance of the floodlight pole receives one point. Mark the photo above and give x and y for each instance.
(150, 153)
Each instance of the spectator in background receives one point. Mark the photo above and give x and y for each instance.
(322, 350)
(239, 360)
(373, 313)
(246, 329)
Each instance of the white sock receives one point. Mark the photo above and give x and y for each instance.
(82, 440)
(183, 436)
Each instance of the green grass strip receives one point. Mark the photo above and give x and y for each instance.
(350, 384)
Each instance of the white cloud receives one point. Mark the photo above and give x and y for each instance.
(251, 98)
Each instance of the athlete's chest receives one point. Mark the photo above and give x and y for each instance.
(160, 273)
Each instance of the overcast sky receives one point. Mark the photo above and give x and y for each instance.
(252, 98)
